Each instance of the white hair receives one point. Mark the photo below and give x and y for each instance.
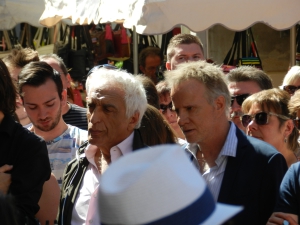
(135, 95)
(292, 75)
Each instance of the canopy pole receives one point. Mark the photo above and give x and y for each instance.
(293, 46)
(135, 51)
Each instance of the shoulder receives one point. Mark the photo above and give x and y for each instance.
(76, 108)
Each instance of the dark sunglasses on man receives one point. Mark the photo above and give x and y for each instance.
(239, 98)
(291, 89)
(164, 108)
(261, 118)
(106, 66)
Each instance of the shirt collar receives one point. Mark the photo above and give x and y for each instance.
(126, 145)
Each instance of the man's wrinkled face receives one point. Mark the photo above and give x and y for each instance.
(236, 89)
(43, 105)
(185, 53)
(108, 124)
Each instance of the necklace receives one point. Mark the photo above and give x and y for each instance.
(201, 160)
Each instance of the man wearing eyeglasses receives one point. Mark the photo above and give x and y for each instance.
(150, 60)
(238, 169)
(243, 82)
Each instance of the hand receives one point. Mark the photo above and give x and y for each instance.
(277, 218)
(5, 178)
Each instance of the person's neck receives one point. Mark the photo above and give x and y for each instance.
(289, 156)
(212, 145)
(60, 128)
(25, 121)
(65, 108)
(1, 116)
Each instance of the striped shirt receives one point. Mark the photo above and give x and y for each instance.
(76, 116)
(214, 176)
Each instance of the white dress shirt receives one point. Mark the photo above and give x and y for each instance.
(85, 211)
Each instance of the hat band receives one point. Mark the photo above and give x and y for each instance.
(195, 213)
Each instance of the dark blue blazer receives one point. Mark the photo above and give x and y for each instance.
(252, 179)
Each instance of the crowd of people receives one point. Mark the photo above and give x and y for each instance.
(196, 147)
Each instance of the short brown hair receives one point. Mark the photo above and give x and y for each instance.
(149, 51)
(8, 93)
(182, 39)
(250, 73)
(277, 101)
(19, 57)
(151, 92)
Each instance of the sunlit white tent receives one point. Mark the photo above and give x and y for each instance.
(13, 12)
(160, 16)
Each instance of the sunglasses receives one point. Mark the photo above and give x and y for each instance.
(239, 98)
(291, 89)
(106, 66)
(164, 108)
(261, 118)
(297, 123)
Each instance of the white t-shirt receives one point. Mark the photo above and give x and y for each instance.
(62, 149)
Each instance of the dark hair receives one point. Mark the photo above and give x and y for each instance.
(155, 129)
(8, 92)
(36, 74)
(149, 51)
(151, 92)
(250, 73)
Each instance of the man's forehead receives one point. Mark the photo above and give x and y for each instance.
(243, 87)
(188, 49)
(106, 91)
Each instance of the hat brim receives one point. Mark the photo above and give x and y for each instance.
(222, 213)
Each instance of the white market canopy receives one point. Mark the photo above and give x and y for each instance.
(160, 16)
(13, 12)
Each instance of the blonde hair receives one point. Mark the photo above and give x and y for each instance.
(292, 75)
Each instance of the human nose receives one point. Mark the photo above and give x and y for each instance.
(43, 113)
(94, 116)
(235, 106)
(181, 118)
(252, 126)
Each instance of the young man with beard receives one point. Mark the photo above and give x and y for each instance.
(43, 96)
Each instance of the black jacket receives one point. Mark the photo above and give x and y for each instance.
(73, 176)
(31, 167)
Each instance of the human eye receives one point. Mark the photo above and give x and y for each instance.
(32, 107)
(50, 104)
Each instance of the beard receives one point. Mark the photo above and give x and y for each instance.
(56, 120)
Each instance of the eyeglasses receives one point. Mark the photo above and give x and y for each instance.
(164, 108)
(297, 123)
(261, 118)
(291, 89)
(239, 98)
(106, 66)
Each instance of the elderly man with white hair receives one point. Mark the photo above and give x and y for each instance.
(116, 102)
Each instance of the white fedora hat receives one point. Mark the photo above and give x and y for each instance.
(158, 185)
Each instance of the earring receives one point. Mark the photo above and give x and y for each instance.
(284, 140)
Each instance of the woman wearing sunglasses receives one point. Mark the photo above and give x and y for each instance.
(267, 117)
(291, 81)
(166, 108)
